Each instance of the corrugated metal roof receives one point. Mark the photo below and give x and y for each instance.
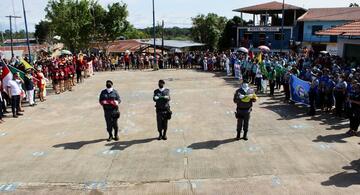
(33, 48)
(270, 6)
(172, 43)
(331, 14)
(349, 29)
(123, 45)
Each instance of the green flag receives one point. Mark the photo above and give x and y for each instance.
(17, 71)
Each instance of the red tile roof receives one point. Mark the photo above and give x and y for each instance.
(271, 6)
(349, 29)
(332, 14)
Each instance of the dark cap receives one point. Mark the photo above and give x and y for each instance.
(162, 82)
(109, 81)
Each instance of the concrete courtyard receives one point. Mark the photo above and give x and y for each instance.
(59, 146)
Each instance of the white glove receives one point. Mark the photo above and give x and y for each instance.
(156, 97)
(166, 97)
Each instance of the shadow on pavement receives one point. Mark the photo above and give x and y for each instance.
(122, 145)
(351, 176)
(209, 145)
(77, 145)
(336, 138)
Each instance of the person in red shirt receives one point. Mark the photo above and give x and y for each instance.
(55, 76)
(62, 78)
(80, 67)
(127, 61)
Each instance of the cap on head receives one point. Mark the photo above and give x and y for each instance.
(109, 82)
(162, 82)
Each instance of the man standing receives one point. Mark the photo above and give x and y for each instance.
(29, 87)
(110, 100)
(243, 98)
(14, 91)
(163, 113)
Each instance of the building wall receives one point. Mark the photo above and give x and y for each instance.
(308, 27)
(341, 45)
(270, 40)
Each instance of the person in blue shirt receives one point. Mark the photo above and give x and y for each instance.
(340, 95)
(312, 95)
(354, 99)
(329, 97)
(323, 80)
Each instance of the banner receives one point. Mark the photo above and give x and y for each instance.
(299, 90)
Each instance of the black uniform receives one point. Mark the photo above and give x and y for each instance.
(111, 112)
(355, 112)
(163, 113)
(243, 111)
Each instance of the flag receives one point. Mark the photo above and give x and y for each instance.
(14, 70)
(299, 90)
(6, 77)
(26, 64)
(259, 58)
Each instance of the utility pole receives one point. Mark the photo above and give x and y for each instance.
(27, 32)
(162, 38)
(282, 26)
(11, 35)
(154, 34)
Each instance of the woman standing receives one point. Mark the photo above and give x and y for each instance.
(41, 84)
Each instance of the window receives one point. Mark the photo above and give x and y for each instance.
(316, 28)
(333, 39)
(248, 36)
(278, 36)
(262, 38)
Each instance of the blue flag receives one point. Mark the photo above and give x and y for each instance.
(299, 90)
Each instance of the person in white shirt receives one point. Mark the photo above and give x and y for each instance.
(14, 92)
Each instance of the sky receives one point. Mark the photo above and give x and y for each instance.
(173, 12)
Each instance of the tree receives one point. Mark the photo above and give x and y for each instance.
(133, 33)
(208, 29)
(43, 31)
(79, 22)
(354, 5)
(71, 20)
(228, 36)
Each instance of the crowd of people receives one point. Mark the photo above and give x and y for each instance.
(29, 83)
(334, 81)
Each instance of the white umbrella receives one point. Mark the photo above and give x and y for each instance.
(324, 52)
(176, 50)
(127, 52)
(66, 52)
(264, 48)
(243, 49)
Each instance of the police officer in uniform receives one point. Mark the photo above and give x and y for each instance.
(110, 100)
(163, 112)
(243, 98)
